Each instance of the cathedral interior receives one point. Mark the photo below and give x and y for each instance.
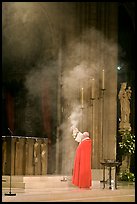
(62, 66)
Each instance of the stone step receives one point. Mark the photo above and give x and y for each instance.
(40, 187)
(14, 181)
(46, 181)
(13, 178)
(13, 190)
(13, 185)
(43, 182)
(50, 182)
(44, 178)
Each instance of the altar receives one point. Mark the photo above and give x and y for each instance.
(24, 155)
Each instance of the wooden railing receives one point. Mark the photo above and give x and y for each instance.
(24, 155)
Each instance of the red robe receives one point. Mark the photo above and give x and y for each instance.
(82, 175)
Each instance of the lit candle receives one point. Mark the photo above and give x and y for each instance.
(103, 79)
(93, 89)
(82, 97)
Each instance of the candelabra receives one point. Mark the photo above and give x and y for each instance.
(92, 116)
(82, 105)
(82, 108)
(102, 120)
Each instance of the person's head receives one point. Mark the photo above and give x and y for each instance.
(85, 134)
(123, 85)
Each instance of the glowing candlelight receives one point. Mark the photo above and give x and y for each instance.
(82, 97)
(103, 79)
(93, 89)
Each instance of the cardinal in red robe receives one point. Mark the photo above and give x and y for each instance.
(82, 174)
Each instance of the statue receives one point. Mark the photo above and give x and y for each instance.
(125, 96)
(35, 156)
(35, 151)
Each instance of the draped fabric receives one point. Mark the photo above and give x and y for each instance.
(82, 174)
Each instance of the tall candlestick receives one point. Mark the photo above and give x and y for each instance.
(93, 89)
(82, 97)
(103, 79)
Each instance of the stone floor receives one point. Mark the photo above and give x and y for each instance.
(124, 193)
